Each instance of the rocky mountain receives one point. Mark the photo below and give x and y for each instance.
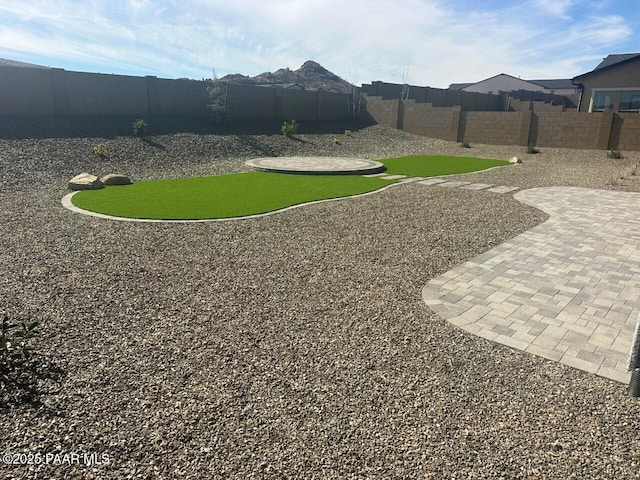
(311, 75)
(6, 62)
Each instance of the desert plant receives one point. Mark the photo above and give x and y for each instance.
(347, 133)
(336, 141)
(100, 150)
(531, 148)
(289, 128)
(615, 154)
(139, 128)
(15, 344)
(465, 144)
(217, 100)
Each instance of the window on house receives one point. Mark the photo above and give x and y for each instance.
(630, 101)
(603, 101)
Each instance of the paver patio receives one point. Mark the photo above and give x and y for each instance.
(567, 290)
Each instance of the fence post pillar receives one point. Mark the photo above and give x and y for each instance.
(604, 130)
(455, 134)
(526, 120)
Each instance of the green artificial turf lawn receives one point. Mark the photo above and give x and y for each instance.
(221, 196)
(250, 193)
(434, 165)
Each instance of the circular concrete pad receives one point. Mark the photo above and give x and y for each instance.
(315, 165)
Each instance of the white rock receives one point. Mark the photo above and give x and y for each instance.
(85, 181)
(116, 179)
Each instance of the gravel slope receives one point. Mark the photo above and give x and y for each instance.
(290, 346)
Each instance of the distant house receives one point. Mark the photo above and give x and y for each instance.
(508, 83)
(613, 85)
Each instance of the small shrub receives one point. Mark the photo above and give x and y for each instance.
(532, 149)
(465, 144)
(217, 101)
(347, 133)
(100, 150)
(15, 345)
(139, 128)
(336, 141)
(615, 154)
(288, 129)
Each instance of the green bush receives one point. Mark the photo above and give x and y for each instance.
(139, 128)
(15, 345)
(615, 154)
(100, 150)
(288, 129)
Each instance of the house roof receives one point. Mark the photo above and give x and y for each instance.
(459, 86)
(554, 83)
(612, 60)
(550, 84)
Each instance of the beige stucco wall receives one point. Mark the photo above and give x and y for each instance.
(625, 76)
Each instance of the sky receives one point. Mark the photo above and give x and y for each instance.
(421, 42)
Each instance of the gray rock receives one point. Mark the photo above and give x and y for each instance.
(85, 181)
(116, 179)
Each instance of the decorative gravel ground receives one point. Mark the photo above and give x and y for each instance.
(289, 346)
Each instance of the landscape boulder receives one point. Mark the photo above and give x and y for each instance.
(85, 181)
(515, 160)
(116, 179)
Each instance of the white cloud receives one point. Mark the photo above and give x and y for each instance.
(558, 8)
(440, 42)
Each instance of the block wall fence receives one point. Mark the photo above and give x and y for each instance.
(531, 123)
(533, 118)
(57, 92)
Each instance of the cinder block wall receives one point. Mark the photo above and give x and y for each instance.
(26, 91)
(297, 105)
(437, 122)
(536, 106)
(567, 130)
(83, 94)
(333, 106)
(538, 123)
(383, 112)
(51, 92)
(176, 97)
(495, 128)
(250, 102)
(625, 134)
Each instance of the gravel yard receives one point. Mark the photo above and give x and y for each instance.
(290, 346)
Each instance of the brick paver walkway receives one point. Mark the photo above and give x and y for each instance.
(567, 290)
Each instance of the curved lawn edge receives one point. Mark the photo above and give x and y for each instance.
(66, 203)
